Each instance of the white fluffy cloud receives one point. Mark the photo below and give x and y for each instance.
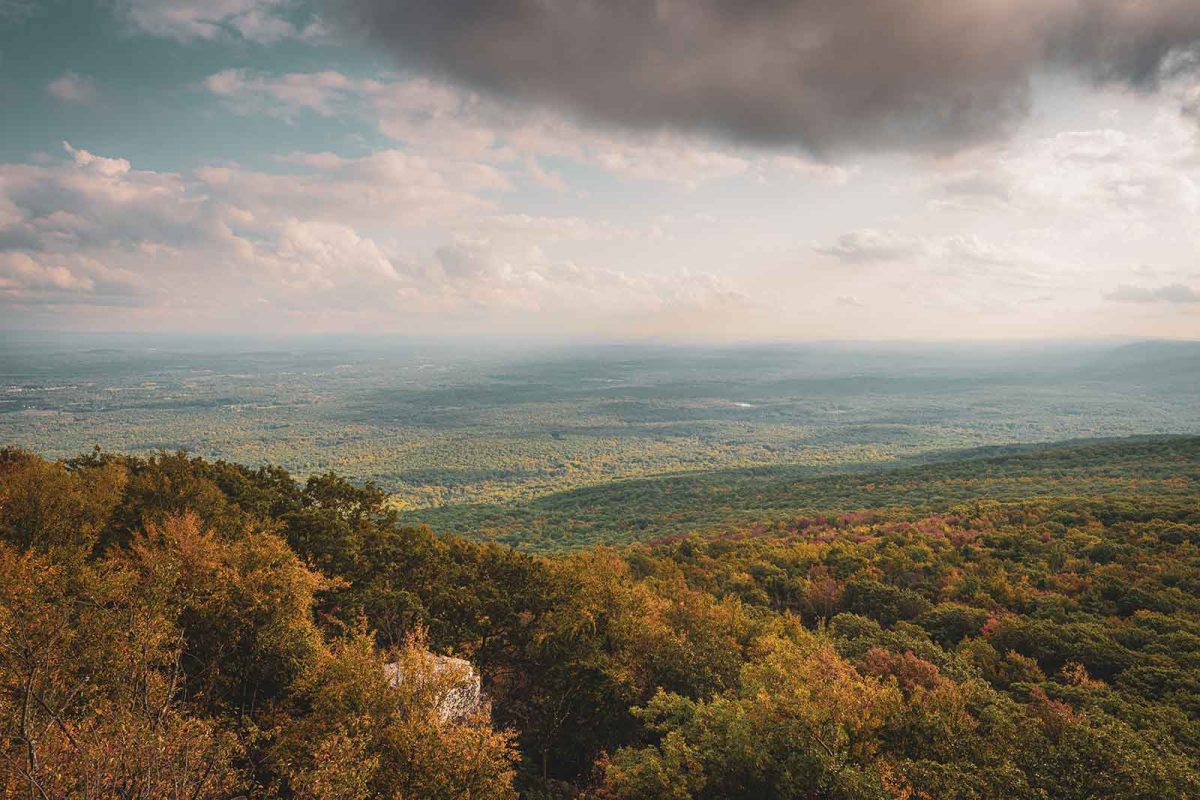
(21, 271)
(1094, 176)
(93, 201)
(330, 235)
(389, 187)
(55, 278)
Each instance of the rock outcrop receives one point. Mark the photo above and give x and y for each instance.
(457, 688)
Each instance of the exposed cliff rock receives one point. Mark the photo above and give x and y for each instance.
(454, 683)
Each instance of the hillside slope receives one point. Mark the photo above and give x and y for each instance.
(640, 509)
(175, 622)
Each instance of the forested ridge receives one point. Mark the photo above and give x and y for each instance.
(177, 627)
(722, 500)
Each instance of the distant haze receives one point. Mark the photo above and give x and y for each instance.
(436, 422)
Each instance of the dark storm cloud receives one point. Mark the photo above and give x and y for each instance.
(827, 74)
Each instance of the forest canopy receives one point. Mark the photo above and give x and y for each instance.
(177, 627)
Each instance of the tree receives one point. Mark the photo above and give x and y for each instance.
(348, 732)
(802, 724)
(90, 681)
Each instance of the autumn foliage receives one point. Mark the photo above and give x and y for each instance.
(177, 628)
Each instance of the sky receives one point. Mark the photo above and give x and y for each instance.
(669, 169)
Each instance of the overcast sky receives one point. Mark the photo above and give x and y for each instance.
(717, 169)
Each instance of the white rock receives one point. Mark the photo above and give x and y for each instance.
(462, 698)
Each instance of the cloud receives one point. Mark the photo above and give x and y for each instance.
(826, 74)
(440, 119)
(870, 246)
(387, 187)
(960, 256)
(108, 167)
(372, 242)
(971, 256)
(72, 88)
(95, 225)
(40, 279)
(323, 93)
(1088, 173)
(261, 21)
(977, 251)
(93, 201)
(1172, 293)
(330, 259)
(19, 270)
(490, 276)
(437, 116)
